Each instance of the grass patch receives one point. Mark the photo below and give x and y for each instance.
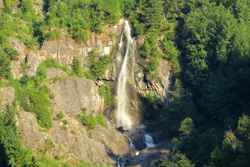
(49, 63)
(105, 91)
(91, 121)
(98, 65)
(152, 97)
(35, 98)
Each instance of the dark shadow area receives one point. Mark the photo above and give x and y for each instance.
(3, 157)
(46, 6)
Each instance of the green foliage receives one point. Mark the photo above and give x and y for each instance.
(60, 115)
(186, 126)
(148, 19)
(4, 65)
(80, 17)
(8, 5)
(36, 99)
(27, 10)
(76, 67)
(48, 63)
(98, 65)
(91, 121)
(7, 54)
(152, 97)
(14, 26)
(214, 52)
(11, 52)
(34, 96)
(176, 160)
(171, 53)
(147, 15)
(45, 162)
(106, 92)
(13, 150)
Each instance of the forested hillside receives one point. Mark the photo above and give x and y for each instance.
(208, 119)
(209, 44)
(206, 42)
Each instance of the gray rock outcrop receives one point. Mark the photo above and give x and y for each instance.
(53, 73)
(7, 97)
(74, 142)
(72, 95)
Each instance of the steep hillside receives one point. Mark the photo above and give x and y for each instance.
(124, 83)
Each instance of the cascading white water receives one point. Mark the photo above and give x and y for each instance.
(122, 117)
(149, 141)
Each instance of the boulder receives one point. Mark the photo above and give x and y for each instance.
(31, 135)
(1, 3)
(16, 65)
(73, 141)
(55, 73)
(111, 138)
(159, 84)
(33, 61)
(76, 141)
(7, 97)
(62, 50)
(72, 95)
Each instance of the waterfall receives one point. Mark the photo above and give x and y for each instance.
(131, 144)
(122, 117)
(149, 141)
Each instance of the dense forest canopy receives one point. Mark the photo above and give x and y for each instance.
(207, 42)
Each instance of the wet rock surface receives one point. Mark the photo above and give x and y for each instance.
(144, 158)
(110, 137)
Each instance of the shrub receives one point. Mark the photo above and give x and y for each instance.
(60, 115)
(45, 162)
(106, 92)
(8, 5)
(37, 100)
(16, 154)
(87, 120)
(4, 65)
(76, 66)
(98, 65)
(91, 121)
(100, 119)
(186, 126)
(49, 63)
(171, 52)
(176, 160)
(34, 97)
(152, 97)
(11, 52)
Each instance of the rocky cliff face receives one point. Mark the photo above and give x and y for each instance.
(68, 138)
(74, 142)
(64, 50)
(7, 97)
(1, 3)
(72, 95)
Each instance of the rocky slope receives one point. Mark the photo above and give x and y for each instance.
(68, 138)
